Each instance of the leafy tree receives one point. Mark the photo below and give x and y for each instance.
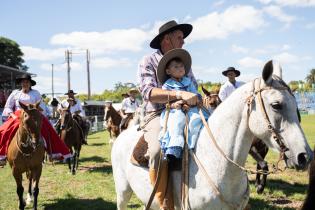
(11, 54)
(310, 79)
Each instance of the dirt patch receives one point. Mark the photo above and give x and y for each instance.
(284, 202)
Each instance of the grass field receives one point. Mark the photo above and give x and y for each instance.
(92, 187)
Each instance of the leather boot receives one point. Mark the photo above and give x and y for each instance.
(162, 187)
(169, 199)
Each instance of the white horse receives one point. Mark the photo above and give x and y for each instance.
(233, 125)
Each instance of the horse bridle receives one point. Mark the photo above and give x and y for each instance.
(68, 121)
(29, 142)
(275, 134)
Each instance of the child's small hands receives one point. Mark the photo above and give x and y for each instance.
(185, 107)
(177, 104)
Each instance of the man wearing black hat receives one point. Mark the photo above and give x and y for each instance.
(77, 111)
(171, 35)
(231, 85)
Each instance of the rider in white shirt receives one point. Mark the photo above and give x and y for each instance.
(128, 107)
(76, 110)
(228, 87)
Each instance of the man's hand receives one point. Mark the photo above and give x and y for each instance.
(190, 98)
(13, 116)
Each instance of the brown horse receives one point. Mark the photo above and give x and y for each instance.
(26, 152)
(258, 149)
(310, 197)
(71, 134)
(112, 120)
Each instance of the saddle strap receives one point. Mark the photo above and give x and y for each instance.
(156, 184)
(185, 170)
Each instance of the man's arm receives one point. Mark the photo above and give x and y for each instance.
(161, 96)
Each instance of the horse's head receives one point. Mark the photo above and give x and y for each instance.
(108, 108)
(211, 99)
(65, 118)
(31, 120)
(274, 119)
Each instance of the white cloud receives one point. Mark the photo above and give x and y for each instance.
(310, 26)
(235, 19)
(239, 49)
(113, 40)
(286, 47)
(265, 1)
(218, 3)
(105, 63)
(250, 62)
(286, 58)
(295, 3)
(279, 14)
(32, 53)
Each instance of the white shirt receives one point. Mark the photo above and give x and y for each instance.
(227, 88)
(46, 111)
(76, 107)
(12, 103)
(129, 106)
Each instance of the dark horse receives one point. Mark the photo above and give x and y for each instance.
(26, 152)
(258, 149)
(72, 135)
(310, 197)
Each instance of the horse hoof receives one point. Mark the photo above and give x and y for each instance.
(28, 199)
(259, 189)
(73, 172)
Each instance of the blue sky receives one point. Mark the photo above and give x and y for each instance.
(244, 34)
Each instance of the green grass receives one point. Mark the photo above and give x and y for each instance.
(92, 187)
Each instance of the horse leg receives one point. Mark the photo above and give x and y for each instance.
(36, 176)
(77, 164)
(69, 159)
(19, 189)
(74, 162)
(123, 194)
(261, 164)
(29, 194)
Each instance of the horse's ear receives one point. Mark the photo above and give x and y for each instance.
(277, 70)
(267, 72)
(23, 106)
(204, 90)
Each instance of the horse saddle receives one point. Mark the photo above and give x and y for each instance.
(140, 156)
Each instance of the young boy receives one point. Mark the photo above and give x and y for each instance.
(172, 70)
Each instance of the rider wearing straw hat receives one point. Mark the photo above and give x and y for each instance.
(171, 35)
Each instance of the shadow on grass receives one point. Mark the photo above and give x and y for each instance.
(80, 204)
(97, 144)
(96, 159)
(102, 168)
(287, 188)
(258, 204)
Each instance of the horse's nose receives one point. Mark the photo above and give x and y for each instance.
(302, 160)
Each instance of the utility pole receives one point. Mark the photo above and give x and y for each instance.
(68, 57)
(52, 80)
(88, 73)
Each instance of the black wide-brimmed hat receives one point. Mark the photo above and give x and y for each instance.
(70, 91)
(27, 77)
(169, 27)
(182, 54)
(237, 72)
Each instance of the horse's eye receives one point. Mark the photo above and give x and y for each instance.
(276, 106)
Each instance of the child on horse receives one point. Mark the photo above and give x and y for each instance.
(172, 71)
(55, 147)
